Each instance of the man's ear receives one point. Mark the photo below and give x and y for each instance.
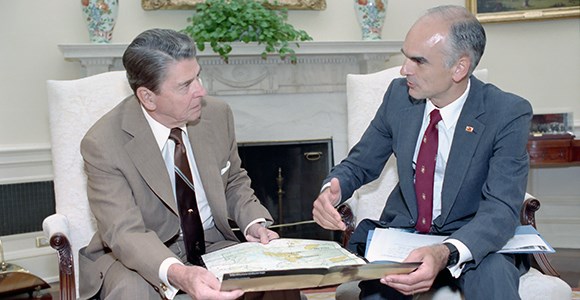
(461, 68)
(146, 97)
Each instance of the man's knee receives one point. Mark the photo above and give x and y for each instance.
(122, 283)
(497, 274)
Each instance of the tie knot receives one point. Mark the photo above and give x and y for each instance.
(175, 135)
(435, 117)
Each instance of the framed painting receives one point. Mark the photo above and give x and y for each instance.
(488, 11)
(189, 4)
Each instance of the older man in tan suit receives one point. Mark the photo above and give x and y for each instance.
(138, 251)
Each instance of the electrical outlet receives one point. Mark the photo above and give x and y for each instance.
(42, 241)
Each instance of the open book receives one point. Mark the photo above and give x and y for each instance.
(395, 245)
(293, 264)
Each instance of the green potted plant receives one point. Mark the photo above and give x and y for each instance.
(221, 22)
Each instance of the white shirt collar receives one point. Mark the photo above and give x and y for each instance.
(450, 113)
(160, 132)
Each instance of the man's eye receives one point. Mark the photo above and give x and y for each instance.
(418, 61)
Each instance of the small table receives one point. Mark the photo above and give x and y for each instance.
(554, 152)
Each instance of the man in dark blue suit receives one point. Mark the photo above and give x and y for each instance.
(481, 167)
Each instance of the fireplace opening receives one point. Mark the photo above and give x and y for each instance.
(286, 177)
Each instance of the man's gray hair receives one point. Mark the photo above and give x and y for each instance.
(467, 36)
(147, 57)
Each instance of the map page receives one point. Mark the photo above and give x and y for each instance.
(291, 264)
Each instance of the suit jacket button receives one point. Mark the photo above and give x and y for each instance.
(411, 222)
(101, 275)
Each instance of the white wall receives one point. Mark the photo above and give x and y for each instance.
(538, 60)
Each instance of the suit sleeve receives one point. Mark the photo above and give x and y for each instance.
(119, 219)
(505, 183)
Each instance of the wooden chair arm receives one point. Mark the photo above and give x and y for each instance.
(66, 268)
(528, 217)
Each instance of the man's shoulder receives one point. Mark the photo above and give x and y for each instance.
(209, 102)
(112, 119)
(498, 101)
(492, 92)
(212, 106)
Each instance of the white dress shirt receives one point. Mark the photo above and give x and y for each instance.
(446, 127)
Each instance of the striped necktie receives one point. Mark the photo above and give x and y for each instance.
(191, 227)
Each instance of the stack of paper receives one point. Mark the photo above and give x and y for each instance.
(388, 244)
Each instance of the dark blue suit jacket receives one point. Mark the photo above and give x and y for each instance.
(486, 174)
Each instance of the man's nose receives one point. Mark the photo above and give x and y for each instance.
(199, 89)
(405, 68)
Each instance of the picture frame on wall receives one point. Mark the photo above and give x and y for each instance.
(488, 11)
(190, 4)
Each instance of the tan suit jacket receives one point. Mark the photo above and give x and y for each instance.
(131, 196)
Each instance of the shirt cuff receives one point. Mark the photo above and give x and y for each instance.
(259, 220)
(171, 291)
(464, 256)
(327, 185)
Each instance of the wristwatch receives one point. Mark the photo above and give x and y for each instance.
(453, 258)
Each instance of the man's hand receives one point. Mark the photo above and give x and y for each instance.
(324, 212)
(259, 233)
(433, 258)
(198, 283)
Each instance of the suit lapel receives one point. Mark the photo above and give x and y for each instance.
(147, 158)
(409, 124)
(207, 165)
(468, 132)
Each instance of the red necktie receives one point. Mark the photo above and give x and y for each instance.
(424, 173)
(191, 227)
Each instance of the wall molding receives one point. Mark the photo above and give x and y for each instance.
(25, 163)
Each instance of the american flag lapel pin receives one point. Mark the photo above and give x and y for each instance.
(469, 129)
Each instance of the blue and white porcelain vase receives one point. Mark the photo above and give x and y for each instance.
(371, 17)
(100, 16)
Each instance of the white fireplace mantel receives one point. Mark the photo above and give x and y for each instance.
(321, 67)
(272, 99)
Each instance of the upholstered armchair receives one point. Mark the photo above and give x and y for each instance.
(364, 95)
(74, 106)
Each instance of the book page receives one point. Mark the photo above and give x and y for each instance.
(279, 254)
(389, 244)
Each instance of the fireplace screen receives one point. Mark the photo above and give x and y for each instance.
(286, 177)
